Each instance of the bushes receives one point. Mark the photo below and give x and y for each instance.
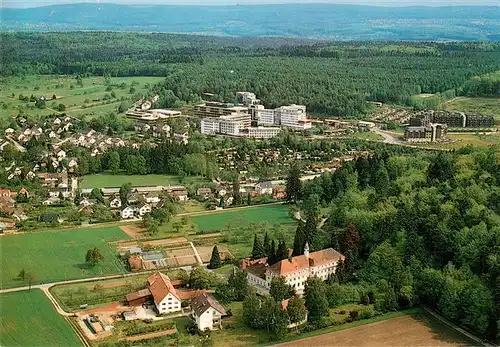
(137, 328)
(366, 312)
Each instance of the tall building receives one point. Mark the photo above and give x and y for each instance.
(431, 133)
(292, 116)
(247, 98)
(231, 124)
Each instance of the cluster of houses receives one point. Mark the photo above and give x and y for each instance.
(8, 208)
(142, 200)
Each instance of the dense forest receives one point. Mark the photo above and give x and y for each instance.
(414, 229)
(334, 79)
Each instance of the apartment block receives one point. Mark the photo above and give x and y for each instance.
(263, 132)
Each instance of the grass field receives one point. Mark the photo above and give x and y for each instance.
(273, 214)
(86, 100)
(417, 329)
(59, 255)
(475, 105)
(28, 319)
(460, 140)
(111, 181)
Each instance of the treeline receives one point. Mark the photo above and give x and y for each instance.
(414, 229)
(329, 78)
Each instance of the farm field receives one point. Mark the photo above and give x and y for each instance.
(114, 181)
(90, 100)
(417, 329)
(29, 319)
(58, 255)
(273, 214)
(474, 105)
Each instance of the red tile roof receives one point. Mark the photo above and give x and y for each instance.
(160, 286)
(135, 263)
(301, 262)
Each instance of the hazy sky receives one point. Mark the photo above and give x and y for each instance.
(33, 3)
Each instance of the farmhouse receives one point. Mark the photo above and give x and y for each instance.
(295, 270)
(207, 312)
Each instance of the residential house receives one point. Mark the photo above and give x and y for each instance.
(60, 155)
(152, 198)
(72, 164)
(204, 192)
(279, 192)
(207, 312)
(263, 188)
(51, 200)
(164, 294)
(181, 195)
(115, 202)
(87, 202)
(128, 212)
(143, 209)
(295, 270)
(24, 192)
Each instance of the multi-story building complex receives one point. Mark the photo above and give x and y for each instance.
(292, 116)
(266, 117)
(295, 270)
(431, 133)
(247, 98)
(452, 119)
(231, 124)
(263, 132)
(479, 121)
(217, 109)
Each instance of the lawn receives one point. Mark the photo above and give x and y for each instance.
(58, 255)
(272, 214)
(29, 319)
(113, 181)
(460, 140)
(474, 105)
(87, 100)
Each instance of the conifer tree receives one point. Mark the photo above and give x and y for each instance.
(215, 262)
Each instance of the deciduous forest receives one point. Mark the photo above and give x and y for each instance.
(415, 229)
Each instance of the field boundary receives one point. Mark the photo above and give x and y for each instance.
(455, 327)
(335, 328)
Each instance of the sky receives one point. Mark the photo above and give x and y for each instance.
(35, 3)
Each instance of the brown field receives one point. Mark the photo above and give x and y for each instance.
(410, 330)
(181, 256)
(133, 230)
(205, 252)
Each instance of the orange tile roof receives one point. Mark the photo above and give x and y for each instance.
(160, 286)
(135, 263)
(301, 262)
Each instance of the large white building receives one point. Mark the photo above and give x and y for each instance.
(295, 270)
(230, 124)
(292, 116)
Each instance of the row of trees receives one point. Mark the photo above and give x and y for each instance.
(267, 248)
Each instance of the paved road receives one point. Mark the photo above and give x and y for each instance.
(388, 137)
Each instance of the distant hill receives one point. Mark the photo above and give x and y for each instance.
(315, 21)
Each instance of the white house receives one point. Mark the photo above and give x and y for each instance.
(295, 270)
(207, 312)
(143, 209)
(128, 212)
(164, 295)
(152, 198)
(61, 154)
(115, 202)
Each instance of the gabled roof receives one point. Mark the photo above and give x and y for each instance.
(302, 262)
(203, 302)
(160, 286)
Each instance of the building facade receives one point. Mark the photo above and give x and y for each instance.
(295, 270)
(207, 312)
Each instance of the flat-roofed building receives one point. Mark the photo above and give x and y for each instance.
(210, 125)
(263, 132)
(217, 109)
(292, 116)
(266, 117)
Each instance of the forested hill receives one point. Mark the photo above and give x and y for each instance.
(323, 21)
